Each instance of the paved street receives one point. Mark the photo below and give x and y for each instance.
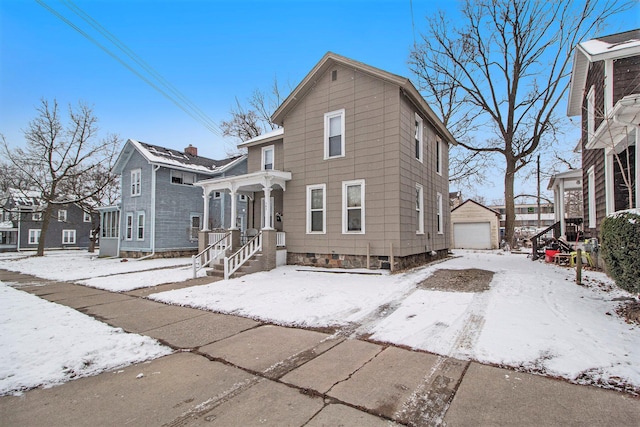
(229, 370)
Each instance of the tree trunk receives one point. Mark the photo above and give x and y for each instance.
(46, 218)
(509, 202)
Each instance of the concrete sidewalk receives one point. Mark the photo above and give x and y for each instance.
(233, 371)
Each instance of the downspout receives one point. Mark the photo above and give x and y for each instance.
(152, 237)
(18, 242)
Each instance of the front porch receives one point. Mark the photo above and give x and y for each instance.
(257, 241)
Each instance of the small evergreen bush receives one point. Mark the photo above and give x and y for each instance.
(621, 249)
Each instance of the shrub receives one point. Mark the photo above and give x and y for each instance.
(621, 249)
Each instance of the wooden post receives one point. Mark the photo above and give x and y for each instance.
(579, 267)
(368, 256)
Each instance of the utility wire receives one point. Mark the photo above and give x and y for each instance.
(195, 113)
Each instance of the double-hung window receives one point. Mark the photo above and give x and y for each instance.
(438, 156)
(86, 217)
(353, 206)
(440, 219)
(334, 134)
(136, 178)
(36, 216)
(267, 158)
(34, 237)
(418, 137)
(140, 226)
(420, 208)
(62, 215)
(68, 237)
(316, 208)
(129, 227)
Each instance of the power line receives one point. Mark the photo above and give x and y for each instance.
(175, 96)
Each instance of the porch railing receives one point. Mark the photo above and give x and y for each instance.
(212, 252)
(281, 240)
(216, 236)
(235, 261)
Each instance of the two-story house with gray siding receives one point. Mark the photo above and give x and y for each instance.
(160, 211)
(21, 222)
(605, 92)
(357, 175)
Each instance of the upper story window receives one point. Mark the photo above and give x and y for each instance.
(36, 216)
(316, 208)
(591, 114)
(136, 182)
(418, 137)
(334, 134)
(86, 217)
(353, 207)
(62, 215)
(267, 158)
(184, 178)
(438, 156)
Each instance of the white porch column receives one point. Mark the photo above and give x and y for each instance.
(234, 207)
(608, 182)
(267, 208)
(205, 196)
(637, 166)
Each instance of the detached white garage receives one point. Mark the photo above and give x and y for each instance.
(475, 226)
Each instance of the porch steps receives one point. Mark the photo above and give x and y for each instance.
(253, 265)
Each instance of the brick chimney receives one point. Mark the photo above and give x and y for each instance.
(191, 150)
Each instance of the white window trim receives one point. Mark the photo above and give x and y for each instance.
(273, 157)
(136, 182)
(70, 236)
(36, 216)
(439, 146)
(345, 217)
(327, 118)
(420, 208)
(34, 236)
(420, 129)
(440, 213)
(181, 175)
(591, 114)
(140, 224)
(217, 195)
(62, 215)
(86, 216)
(191, 227)
(128, 227)
(310, 188)
(591, 189)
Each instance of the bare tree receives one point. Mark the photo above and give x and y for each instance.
(509, 62)
(247, 122)
(64, 163)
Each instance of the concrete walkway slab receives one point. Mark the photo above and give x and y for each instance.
(145, 292)
(262, 348)
(388, 381)
(334, 366)
(124, 307)
(82, 302)
(201, 330)
(491, 396)
(341, 415)
(169, 388)
(266, 403)
(155, 318)
(60, 291)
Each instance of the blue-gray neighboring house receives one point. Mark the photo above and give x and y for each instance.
(160, 211)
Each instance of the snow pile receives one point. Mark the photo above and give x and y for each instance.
(44, 344)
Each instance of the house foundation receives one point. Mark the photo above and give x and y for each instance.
(376, 262)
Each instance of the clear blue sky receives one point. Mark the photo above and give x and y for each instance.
(212, 51)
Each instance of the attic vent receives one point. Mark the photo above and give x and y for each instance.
(334, 75)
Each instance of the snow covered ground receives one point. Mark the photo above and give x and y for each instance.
(534, 317)
(44, 344)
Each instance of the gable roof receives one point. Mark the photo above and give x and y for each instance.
(329, 60)
(274, 135)
(476, 203)
(173, 159)
(620, 45)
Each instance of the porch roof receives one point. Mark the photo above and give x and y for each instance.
(250, 182)
(613, 130)
(572, 179)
